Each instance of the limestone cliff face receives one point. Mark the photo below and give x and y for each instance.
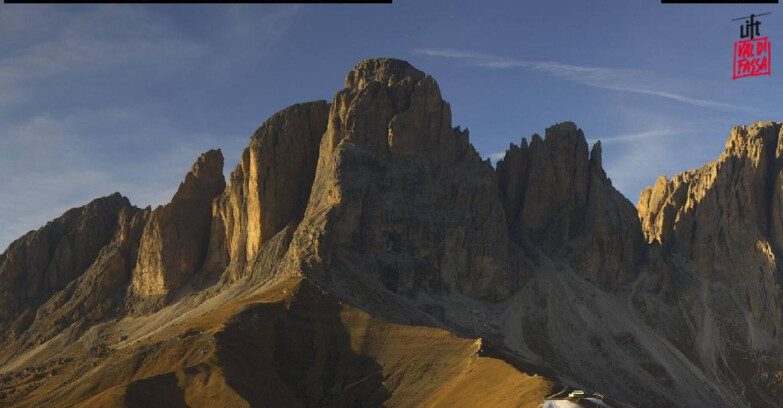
(400, 195)
(726, 219)
(558, 197)
(42, 262)
(269, 188)
(175, 239)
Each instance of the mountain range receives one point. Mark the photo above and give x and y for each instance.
(363, 254)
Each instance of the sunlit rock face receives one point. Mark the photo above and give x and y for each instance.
(726, 219)
(175, 239)
(269, 188)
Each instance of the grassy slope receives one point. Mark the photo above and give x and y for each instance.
(291, 345)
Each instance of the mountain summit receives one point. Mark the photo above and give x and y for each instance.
(363, 254)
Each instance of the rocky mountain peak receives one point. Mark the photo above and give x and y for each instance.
(387, 71)
(390, 140)
(759, 133)
(205, 178)
(596, 162)
(751, 158)
(563, 134)
(394, 110)
(556, 194)
(45, 261)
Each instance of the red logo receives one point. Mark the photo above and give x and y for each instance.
(751, 57)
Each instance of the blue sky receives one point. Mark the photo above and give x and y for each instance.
(97, 99)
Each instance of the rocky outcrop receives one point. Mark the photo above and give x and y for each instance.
(269, 188)
(175, 239)
(45, 261)
(559, 198)
(725, 219)
(99, 292)
(400, 195)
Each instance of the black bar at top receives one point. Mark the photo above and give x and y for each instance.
(198, 1)
(719, 1)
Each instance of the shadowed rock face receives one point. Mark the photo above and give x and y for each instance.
(559, 198)
(376, 201)
(400, 195)
(545, 186)
(43, 262)
(98, 293)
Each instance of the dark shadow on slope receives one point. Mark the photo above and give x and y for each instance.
(298, 356)
(159, 391)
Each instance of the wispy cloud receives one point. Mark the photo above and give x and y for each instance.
(88, 97)
(651, 143)
(625, 80)
(61, 44)
(633, 137)
(496, 156)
